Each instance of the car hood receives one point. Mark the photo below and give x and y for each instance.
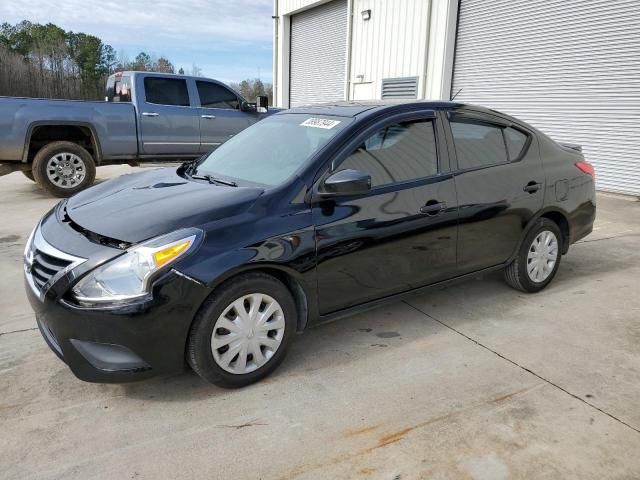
(138, 206)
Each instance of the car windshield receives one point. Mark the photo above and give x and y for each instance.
(273, 149)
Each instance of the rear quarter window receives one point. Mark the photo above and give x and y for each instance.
(516, 142)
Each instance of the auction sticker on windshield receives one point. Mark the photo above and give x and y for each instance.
(320, 123)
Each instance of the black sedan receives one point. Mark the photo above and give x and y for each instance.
(308, 215)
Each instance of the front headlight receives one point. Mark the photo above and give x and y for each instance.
(127, 278)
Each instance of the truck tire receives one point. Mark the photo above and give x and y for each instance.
(63, 168)
(29, 175)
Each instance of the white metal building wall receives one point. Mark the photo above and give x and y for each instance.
(318, 54)
(569, 67)
(391, 44)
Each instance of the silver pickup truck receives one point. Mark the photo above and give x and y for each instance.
(145, 116)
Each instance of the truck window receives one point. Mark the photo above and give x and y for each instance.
(213, 95)
(119, 89)
(166, 91)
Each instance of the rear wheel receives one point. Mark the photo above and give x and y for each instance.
(538, 259)
(243, 331)
(63, 168)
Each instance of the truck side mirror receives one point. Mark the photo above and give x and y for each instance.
(248, 107)
(263, 103)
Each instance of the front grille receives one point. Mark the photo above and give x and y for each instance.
(45, 267)
(45, 264)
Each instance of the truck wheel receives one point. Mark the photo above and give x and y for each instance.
(29, 175)
(63, 168)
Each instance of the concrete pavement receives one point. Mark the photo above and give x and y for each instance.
(473, 381)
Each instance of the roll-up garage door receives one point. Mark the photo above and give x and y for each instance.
(569, 67)
(318, 52)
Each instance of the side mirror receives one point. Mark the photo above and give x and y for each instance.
(263, 102)
(248, 107)
(346, 182)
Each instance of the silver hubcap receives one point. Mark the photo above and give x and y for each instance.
(542, 257)
(248, 333)
(66, 170)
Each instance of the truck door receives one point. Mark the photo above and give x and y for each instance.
(168, 123)
(220, 114)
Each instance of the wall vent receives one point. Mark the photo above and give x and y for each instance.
(406, 87)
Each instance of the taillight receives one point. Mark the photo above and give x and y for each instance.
(586, 167)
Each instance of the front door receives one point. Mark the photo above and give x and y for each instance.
(220, 115)
(399, 236)
(168, 124)
(500, 183)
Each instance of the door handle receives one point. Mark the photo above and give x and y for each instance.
(209, 117)
(150, 114)
(532, 187)
(433, 208)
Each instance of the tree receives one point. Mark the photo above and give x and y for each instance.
(195, 71)
(141, 63)
(251, 88)
(46, 61)
(181, 71)
(109, 60)
(163, 65)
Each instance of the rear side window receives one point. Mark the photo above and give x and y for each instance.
(516, 141)
(397, 153)
(213, 95)
(478, 144)
(166, 91)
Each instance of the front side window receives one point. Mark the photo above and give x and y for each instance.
(272, 150)
(213, 95)
(166, 91)
(397, 153)
(478, 144)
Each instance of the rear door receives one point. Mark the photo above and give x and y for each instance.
(220, 114)
(169, 125)
(500, 186)
(402, 234)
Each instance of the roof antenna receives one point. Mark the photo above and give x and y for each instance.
(454, 97)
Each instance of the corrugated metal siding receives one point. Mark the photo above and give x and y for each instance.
(318, 54)
(570, 68)
(393, 43)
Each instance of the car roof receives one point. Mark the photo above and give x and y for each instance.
(358, 108)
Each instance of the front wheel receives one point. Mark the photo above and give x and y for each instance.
(243, 331)
(63, 168)
(538, 258)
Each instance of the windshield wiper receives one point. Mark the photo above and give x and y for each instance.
(214, 180)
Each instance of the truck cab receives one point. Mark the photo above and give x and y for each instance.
(146, 116)
(179, 115)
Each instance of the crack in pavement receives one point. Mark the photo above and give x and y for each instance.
(549, 382)
(19, 331)
(608, 238)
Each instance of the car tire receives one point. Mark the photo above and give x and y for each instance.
(538, 259)
(220, 323)
(76, 166)
(29, 175)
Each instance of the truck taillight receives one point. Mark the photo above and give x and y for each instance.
(586, 167)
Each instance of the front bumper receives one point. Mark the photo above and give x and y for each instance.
(125, 344)
(114, 345)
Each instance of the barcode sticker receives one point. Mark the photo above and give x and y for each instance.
(320, 123)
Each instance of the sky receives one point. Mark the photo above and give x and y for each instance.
(228, 40)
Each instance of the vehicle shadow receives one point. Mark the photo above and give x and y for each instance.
(388, 328)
